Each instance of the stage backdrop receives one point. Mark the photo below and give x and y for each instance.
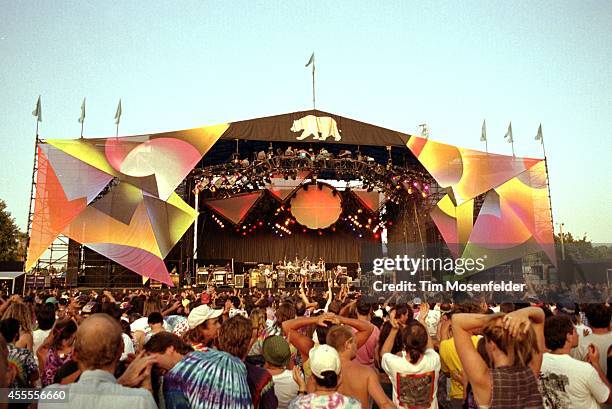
(116, 195)
(338, 247)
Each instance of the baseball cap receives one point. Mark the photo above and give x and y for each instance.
(200, 314)
(275, 351)
(51, 300)
(324, 358)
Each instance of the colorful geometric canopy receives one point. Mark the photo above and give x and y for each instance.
(454, 223)
(515, 218)
(468, 172)
(116, 195)
(371, 200)
(235, 208)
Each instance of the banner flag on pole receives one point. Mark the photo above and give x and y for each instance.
(118, 113)
(311, 60)
(38, 110)
(483, 135)
(508, 135)
(82, 118)
(539, 136)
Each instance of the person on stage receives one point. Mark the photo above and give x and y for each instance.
(268, 277)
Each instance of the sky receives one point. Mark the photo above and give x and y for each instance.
(397, 64)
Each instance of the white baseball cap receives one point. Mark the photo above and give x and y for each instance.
(324, 358)
(200, 314)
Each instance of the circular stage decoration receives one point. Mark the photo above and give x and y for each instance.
(318, 207)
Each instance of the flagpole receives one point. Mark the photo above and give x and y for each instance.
(33, 184)
(512, 143)
(552, 222)
(313, 85)
(82, 117)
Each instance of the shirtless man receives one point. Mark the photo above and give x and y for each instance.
(366, 384)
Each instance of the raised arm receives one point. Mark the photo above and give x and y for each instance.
(473, 365)
(364, 329)
(298, 340)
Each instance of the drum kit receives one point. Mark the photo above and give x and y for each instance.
(293, 272)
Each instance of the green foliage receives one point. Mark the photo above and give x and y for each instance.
(10, 236)
(581, 249)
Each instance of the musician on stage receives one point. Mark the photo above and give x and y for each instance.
(304, 274)
(337, 273)
(268, 277)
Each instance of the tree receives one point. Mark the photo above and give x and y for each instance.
(10, 236)
(581, 249)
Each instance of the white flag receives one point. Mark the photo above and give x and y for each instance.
(483, 135)
(82, 118)
(311, 60)
(508, 135)
(118, 113)
(539, 136)
(38, 111)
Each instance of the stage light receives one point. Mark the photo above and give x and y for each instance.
(426, 187)
(409, 190)
(415, 184)
(359, 211)
(424, 194)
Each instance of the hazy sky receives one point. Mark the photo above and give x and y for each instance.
(184, 64)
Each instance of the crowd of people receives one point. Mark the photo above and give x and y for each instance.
(328, 348)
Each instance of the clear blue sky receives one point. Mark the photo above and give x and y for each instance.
(179, 65)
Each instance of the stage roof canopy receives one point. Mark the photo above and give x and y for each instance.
(334, 128)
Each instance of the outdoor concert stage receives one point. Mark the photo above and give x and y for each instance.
(304, 193)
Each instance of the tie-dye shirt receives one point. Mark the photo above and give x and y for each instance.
(207, 380)
(332, 401)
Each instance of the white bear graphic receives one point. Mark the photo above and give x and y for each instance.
(315, 125)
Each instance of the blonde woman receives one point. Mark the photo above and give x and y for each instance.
(514, 343)
(22, 313)
(258, 321)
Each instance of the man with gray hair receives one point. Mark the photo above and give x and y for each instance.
(97, 349)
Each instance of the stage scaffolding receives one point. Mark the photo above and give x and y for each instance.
(55, 259)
